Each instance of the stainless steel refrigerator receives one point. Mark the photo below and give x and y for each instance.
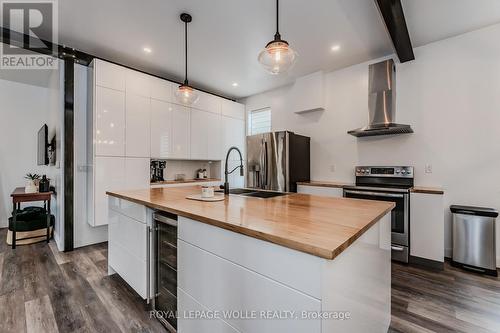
(277, 161)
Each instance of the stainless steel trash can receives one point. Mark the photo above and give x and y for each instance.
(474, 245)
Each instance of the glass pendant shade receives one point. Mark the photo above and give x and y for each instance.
(277, 57)
(186, 95)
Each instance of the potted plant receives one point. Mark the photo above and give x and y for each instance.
(31, 183)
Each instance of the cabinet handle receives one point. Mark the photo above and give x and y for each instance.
(397, 248)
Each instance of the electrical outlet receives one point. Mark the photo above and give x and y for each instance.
(332, 168)
(428, 168)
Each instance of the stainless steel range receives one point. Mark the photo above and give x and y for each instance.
(388, 183)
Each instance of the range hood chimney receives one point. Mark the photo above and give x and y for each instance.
(382, 102)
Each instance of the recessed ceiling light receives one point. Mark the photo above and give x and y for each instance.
(335, 48)
(235, 84)
(147, 50)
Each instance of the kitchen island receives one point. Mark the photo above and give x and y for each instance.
(294, 263)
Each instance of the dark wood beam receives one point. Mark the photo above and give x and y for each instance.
(394, 20)
(69, 169)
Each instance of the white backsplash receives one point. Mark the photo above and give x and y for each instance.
(189, 168)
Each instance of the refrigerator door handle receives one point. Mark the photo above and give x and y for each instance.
(266, 166)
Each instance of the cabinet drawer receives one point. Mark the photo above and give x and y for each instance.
(221, 285)
(129, 209)
(129, 267)
(298, 270)
(128, 233)
(188, 325)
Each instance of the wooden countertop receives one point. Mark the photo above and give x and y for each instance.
(428, 190)
(320, 226)
(415, 189)
(324, 184)
(185, 181)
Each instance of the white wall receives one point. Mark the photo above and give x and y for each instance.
(29, 99)
(450, 95)
(83, 233)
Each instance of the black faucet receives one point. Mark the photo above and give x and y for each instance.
(226, 173)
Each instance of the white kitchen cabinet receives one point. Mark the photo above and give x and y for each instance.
(127, 248)
(109, 175)
(214, 137)
(180, 131)
(109, 115)
(205, 135)
(190, 305)
(137, 129)
(109, 75)
(231, 286)
(161, 129)
(427, 226)
(308, 93)
(137, 83)
(137, 173)
(233, 135)
(232, 109)
(161, 89)
(199, 133)
(336, 192)
(208, 102)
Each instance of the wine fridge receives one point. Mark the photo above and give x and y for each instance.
(165, 269)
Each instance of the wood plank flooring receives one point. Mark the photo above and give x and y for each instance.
(44, 290)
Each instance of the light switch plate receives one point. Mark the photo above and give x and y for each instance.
(428, 168)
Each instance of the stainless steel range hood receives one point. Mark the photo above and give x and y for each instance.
(382, 102)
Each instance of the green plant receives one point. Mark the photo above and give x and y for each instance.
(32, 176)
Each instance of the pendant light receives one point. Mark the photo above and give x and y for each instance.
(277, 57)
(185, 94)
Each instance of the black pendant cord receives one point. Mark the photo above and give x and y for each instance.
(277, 35)
(186, 53)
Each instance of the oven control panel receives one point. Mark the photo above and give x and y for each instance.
(385, 171)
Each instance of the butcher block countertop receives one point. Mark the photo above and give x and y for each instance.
(324, 184)
(320, 226)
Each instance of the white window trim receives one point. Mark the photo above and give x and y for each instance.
(250, 123)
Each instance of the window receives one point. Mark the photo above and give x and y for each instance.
(259, 121)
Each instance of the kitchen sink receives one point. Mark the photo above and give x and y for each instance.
(253, 193)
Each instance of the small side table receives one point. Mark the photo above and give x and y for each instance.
(18, 196)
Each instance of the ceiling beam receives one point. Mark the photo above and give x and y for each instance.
(394, 20)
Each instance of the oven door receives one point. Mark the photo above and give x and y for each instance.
(399, 218)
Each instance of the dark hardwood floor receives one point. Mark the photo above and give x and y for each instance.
(43, 290)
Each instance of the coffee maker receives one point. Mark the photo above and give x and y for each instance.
(156, 170)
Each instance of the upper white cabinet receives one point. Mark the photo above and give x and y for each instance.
(109, 75)
(308, 93)
(214, 137)
(233, 135)
(138, 83)
(205, 135)
(109, 118)
(161, 129)
(208, 102)
(180, 131)
(232, 109)
(137, 132)
(161, 89)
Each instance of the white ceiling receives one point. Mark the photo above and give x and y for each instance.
(226, 35)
